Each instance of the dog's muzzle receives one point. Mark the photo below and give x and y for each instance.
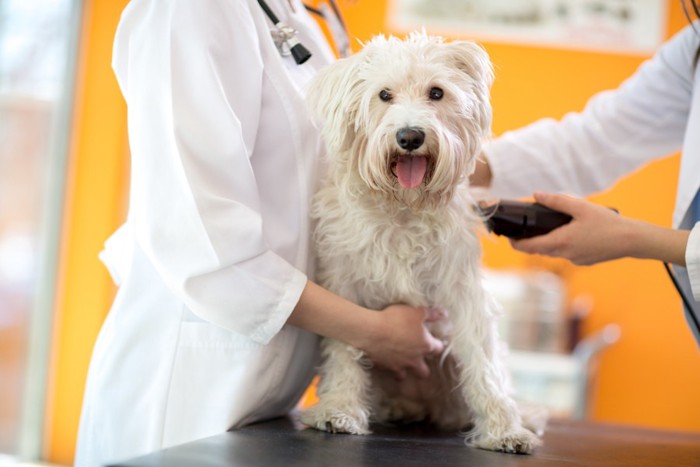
(410, 168)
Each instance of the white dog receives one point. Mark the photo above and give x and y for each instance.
(403, 121)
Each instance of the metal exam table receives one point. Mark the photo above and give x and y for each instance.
(281, 442)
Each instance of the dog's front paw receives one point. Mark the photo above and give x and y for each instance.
(353, 421)
(516, 441)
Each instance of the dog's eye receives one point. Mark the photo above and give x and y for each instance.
(436, 94)
(385, 95)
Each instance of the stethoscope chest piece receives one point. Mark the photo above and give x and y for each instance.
(284, 37)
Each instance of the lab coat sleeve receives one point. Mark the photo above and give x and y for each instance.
(692, 261)
(192, 75)
(616, 133)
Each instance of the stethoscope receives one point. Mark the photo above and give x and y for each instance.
(285, 38)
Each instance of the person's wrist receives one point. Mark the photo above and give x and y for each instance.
(643, 240)
(366, 330)
(632, 237)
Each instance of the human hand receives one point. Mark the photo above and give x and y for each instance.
(595, 234)
(399, 341)
(481, 176)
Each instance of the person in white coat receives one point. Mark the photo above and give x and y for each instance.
(215, 320)
(654, 113)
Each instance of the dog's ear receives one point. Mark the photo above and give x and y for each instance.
(472, 59)
(332, 98)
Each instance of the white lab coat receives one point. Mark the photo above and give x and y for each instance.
(215, 252)
(654, 113)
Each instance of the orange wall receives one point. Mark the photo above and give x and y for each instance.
(94, 200)
(651, 377)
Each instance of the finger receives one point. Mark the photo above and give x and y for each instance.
(433, 314)
(436, 346)
(422, 369)
(539, 248)
(534, 245)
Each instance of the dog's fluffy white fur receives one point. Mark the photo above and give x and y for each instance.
(403, 121)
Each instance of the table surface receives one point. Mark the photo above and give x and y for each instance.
(282, 442)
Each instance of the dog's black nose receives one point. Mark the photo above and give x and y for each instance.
(410, 138)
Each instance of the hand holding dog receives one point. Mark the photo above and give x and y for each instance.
(401, 341)
(395, 338)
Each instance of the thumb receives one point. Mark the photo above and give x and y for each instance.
(561, 203)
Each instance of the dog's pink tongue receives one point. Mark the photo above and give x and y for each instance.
(410, 171)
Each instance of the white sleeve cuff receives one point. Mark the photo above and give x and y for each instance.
(692, 261)
(254, 297)
(278, 318)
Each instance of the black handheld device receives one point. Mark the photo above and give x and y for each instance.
(519, 219)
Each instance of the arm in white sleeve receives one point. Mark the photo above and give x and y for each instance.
(616, 133)
(192, 81)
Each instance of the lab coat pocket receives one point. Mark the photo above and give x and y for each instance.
(218, 379)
